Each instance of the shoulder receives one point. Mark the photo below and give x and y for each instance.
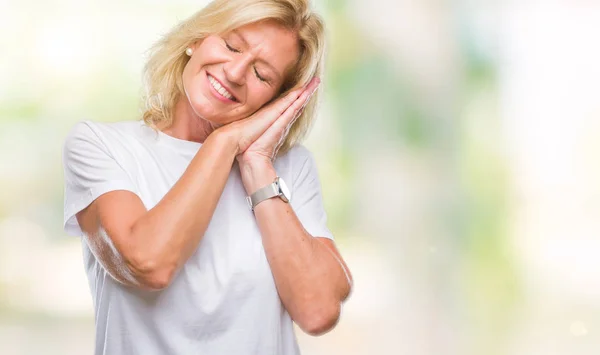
(100, 133)
(297, 155)
(82, 134)
(295, 159)
(90, 129)
(90, 141)
(81, 129)
(301, 164)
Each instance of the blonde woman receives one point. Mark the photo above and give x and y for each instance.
(203, 225)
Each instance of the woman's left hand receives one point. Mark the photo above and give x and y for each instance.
(265, 147)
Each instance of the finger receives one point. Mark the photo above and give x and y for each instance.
(270, 121)
(287, 118)
(281, 105)
(278, 107)
(270, 113)
(312, 85)
(282, 138)
(266, 116)
(276, 150)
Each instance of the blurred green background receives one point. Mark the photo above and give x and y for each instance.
(457, 146)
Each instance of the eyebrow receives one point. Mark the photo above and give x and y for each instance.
(236, 32)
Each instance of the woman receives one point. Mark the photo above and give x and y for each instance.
(192, 243)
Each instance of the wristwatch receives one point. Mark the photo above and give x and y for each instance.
(277, 188)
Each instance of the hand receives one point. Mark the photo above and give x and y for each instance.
(267, 145)
(263, 133)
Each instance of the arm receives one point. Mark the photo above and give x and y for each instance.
(311, 277)
(144, 248)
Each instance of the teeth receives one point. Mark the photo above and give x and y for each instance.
(220, 89)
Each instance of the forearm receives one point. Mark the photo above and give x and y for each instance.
(310, 280)
(168, 234)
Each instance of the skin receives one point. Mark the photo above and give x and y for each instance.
(145, 248)
(236, 59)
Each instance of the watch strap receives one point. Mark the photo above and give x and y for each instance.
(264, 193)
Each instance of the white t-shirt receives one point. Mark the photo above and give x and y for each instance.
(223, 300)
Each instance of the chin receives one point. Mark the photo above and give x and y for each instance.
(199, 105)
(204, 108)
(204, 111)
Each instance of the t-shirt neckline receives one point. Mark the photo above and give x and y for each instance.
(176, 143)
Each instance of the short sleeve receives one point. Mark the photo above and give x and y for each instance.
(307, 200)
(90, 170)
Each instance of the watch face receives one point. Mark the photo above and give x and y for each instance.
(286, 195)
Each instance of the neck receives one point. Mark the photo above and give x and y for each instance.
(187, 125)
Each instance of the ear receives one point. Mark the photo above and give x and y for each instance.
(195, 45)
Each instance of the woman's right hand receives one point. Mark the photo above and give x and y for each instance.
(245, 131)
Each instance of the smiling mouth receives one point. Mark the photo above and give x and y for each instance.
(220, 89)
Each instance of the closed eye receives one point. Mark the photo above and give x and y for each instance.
(235, 50)
(231, 48)
(258, 75)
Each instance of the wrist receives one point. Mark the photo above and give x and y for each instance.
(256, 174)
(226, 140)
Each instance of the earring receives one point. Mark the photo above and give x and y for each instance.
(189, 51)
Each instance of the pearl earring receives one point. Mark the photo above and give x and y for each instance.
(189, 51)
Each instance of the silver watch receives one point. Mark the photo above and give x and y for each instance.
(277, 188)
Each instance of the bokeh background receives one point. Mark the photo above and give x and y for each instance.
(458, 147)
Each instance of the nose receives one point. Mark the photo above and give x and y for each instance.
(236, 69)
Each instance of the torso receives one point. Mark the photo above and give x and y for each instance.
(223, 300)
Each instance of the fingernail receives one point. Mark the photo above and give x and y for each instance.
(316, 87)
(314, 79)
(317, 82)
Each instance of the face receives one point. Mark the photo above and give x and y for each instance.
(230, 76)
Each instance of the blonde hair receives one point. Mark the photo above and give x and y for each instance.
(163, 71)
